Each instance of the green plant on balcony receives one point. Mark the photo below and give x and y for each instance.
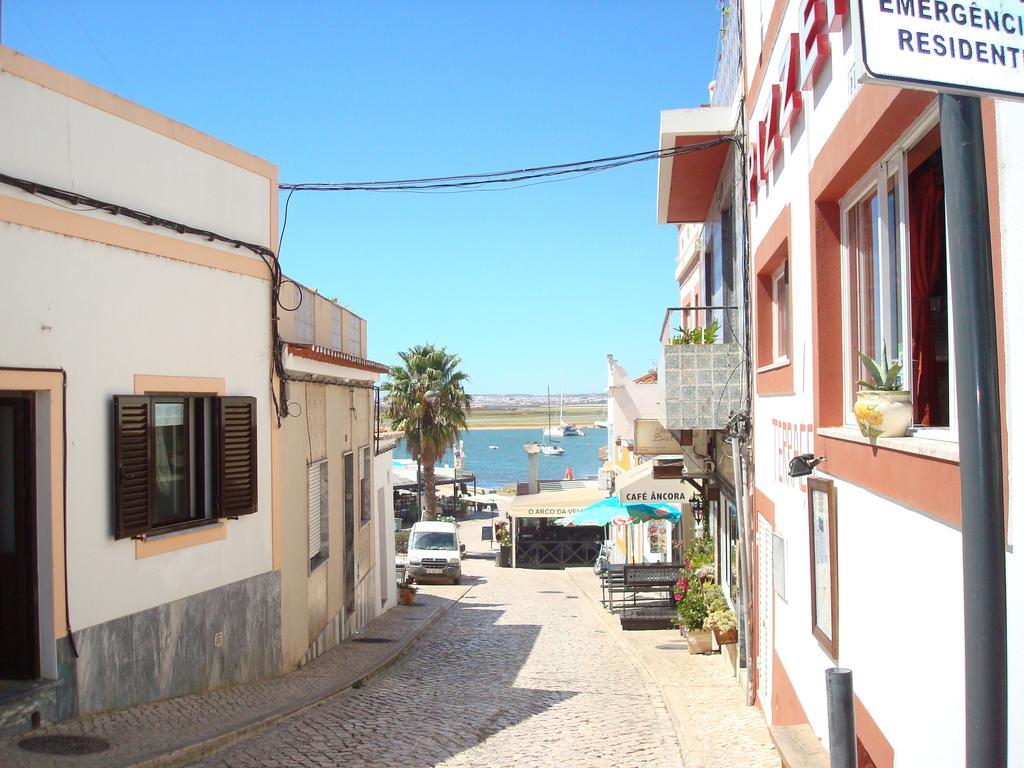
(707, 335)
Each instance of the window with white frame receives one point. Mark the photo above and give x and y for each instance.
(780, 314)
(895, 278)
(318, 516)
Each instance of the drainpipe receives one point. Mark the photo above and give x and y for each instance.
(980, 430)
(745, 550)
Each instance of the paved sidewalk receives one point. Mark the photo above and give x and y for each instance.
(175, 732)
(713, 723)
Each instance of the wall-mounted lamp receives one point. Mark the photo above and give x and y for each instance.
(804, 464)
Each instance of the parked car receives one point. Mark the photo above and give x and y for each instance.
(434, 552)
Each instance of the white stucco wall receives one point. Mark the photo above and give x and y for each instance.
(105, 314)
(1009, 119)
(52, 139)
(627, 402)
(386, 529)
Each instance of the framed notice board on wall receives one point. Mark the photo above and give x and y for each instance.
(821, 517)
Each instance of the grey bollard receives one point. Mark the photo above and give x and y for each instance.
(842, 731)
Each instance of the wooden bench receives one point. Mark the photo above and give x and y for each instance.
(649, 584)
(798, 746)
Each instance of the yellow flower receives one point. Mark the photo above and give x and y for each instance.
(867, 414)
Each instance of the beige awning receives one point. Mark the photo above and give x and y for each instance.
(639, 486)
(555, 503)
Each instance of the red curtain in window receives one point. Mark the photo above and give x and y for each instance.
(927, 260)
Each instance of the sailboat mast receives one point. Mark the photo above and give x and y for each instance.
(547, 435)
(561, 396)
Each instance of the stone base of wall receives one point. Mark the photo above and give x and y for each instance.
(225, 636)
(326, 638)
(48, 700)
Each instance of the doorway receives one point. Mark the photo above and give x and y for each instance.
(19, 642)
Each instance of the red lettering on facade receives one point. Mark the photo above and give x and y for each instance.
(791, 440)
(814, 44)
(838, 10)
(792, 96)
(755, 165)
(773, 138)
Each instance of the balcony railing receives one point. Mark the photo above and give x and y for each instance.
(701, 370)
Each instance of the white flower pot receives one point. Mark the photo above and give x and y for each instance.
(881, 413)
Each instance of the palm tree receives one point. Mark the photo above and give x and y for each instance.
(426, 399)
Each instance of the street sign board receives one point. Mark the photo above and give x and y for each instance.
(650, 438)
(647, 489)
(957, 46)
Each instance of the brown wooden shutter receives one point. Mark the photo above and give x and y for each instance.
(236, 456)
(133, 465)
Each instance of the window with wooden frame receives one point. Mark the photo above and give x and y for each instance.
(780, 314)
(895, 279)
(319, 524)
(365, 509)
(821, 520)
(181, 461)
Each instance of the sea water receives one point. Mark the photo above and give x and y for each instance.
(506, 464)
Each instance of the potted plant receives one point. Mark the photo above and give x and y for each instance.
(721, 618)
(407, 591)
(692, 612)
(723, 624)
(697, 335)
(504, 539)
(883, 408)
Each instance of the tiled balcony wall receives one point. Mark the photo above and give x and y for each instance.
(702, 384)
(730, 52)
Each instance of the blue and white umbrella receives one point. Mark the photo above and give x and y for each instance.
(611, 510)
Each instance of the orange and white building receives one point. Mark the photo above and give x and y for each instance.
(860, 564)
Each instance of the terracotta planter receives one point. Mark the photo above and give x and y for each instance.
(406, 596)
(726, 638)
(883, 414)
(698, 641)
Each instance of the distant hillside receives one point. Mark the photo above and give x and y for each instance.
(533, 401)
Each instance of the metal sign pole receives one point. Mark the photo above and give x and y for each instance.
(981, 458)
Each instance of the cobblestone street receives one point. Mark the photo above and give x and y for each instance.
(522, 672)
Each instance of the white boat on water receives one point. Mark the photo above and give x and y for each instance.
(563, 429)
(493, 447)
(548, 449)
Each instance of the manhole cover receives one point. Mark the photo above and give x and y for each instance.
(64, 745)
(371, 640)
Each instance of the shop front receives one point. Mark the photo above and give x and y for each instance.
(538, 543)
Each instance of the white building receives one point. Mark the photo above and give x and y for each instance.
(135, 403)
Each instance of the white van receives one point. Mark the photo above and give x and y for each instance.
(434, 552)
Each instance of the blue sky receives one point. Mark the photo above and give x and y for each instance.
(522, 283)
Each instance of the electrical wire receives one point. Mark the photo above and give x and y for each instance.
(508, 177)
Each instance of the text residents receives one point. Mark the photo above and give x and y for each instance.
(951, 45)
